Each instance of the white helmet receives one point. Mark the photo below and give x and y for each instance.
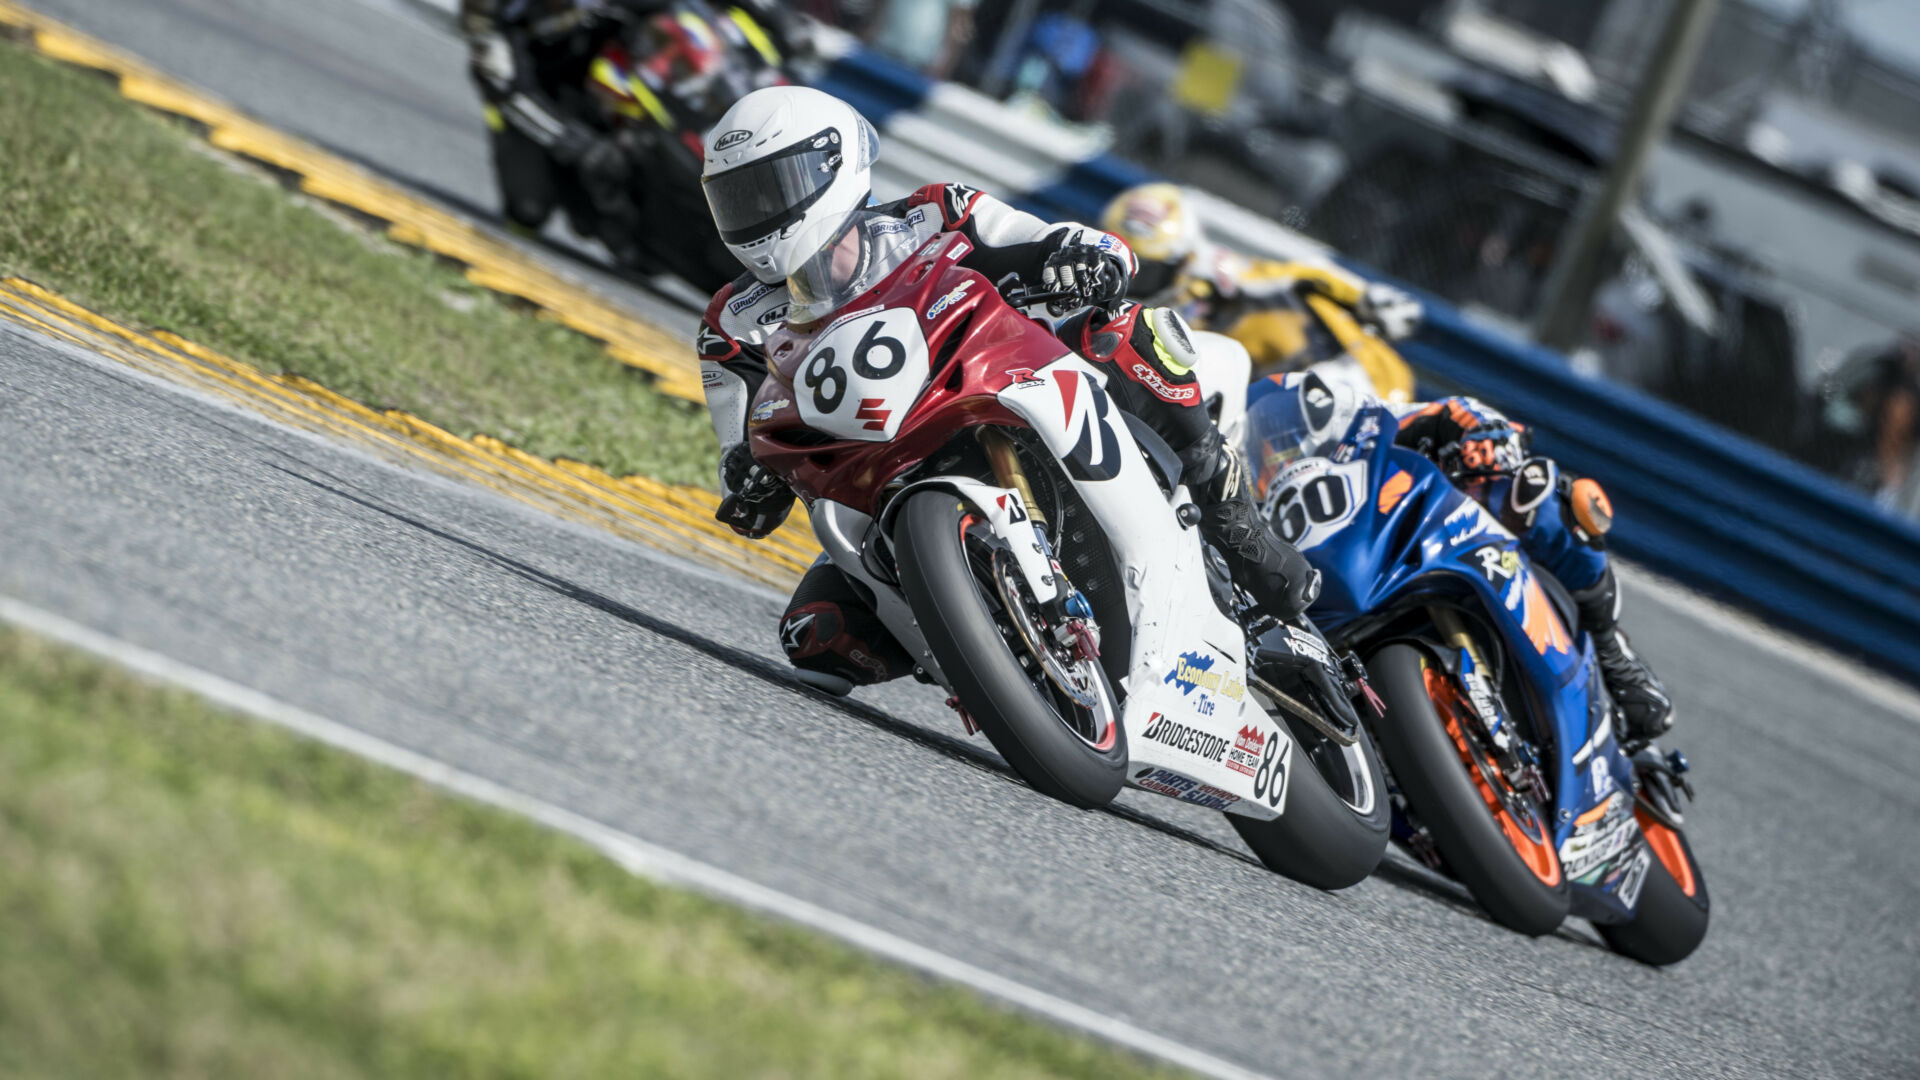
(781, 160)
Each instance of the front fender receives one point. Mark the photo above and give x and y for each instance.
(1003, 511)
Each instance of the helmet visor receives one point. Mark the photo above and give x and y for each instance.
(767, 195)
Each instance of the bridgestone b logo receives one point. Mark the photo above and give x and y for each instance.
(1180, 737)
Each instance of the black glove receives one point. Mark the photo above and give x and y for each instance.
(760, 501)
(1088, 274)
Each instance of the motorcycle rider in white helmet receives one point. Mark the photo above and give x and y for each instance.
(787, 166)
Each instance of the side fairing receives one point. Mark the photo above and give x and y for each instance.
(1387, 529)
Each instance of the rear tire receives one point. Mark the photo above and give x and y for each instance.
(1448, 800)
(1322, 840)
(960, 630)
(1669, 923)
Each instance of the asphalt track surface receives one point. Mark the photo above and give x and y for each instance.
(648, 695)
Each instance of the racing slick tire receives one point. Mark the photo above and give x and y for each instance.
(956, 613)
(1671, 919)
(1523, 890)
(1324, 839)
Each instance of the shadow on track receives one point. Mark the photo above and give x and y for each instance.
(1412, 878)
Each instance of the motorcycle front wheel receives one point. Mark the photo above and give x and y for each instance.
(1494, 838)
(1054, 717)
(1671, 918)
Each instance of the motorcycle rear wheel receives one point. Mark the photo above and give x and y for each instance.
(1671, 918)
(972, 637)
(1328, 838)
(1510, 866)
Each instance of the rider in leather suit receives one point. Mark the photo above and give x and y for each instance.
(530, 60)
(1562, 523)
(785, 158)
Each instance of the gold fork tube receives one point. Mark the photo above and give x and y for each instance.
(1005, 460)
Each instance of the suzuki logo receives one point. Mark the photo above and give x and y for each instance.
(873, 414)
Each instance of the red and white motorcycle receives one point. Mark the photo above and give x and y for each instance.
(1034, 549)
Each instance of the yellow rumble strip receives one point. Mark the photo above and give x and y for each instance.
(491, 263)
(677, 519)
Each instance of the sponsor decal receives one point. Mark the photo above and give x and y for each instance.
(873, 414)
(1195, 671)
(766, 409)
(1185, 739)
(1023, 377)
(1602, 777)
(749, 298)
(1598, 837)
(1309, 646)
(1151, 379)
(950, 299)
(1469, 520)
(730, 139)
(1096, 453)
(1631, 881)
(709, 342)
(1496, 562)
(1244, 756)
(1015, 508)
(793, 633)
(1186, 789)
(775, 314)
(709, 378)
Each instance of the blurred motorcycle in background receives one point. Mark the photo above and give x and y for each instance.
(659, 82)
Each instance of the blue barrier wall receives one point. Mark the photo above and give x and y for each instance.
(1725, 515)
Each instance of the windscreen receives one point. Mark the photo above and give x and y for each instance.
(1291, 417)
(849, 257)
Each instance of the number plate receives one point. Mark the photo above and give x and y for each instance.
(863, 375)
(1314, 499)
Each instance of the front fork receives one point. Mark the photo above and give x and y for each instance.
(1515, 756)
(1072, 614)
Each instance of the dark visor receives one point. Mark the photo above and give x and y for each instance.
(768, 195)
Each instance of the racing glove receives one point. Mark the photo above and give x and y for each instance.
(1087, 274)
(1392, 313)
(1496, 448)
(759, 500)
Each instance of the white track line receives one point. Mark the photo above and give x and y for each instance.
(635, 855)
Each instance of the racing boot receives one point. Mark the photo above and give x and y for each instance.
(1645, 710)
(1273, 571)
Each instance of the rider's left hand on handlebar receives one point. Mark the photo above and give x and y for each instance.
(1087, 274)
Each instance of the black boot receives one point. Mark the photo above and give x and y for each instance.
(1644, 707)
(1273, 571)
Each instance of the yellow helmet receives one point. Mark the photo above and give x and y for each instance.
(1155, 222)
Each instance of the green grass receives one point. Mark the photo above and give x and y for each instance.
(121, 210)
(186, 894)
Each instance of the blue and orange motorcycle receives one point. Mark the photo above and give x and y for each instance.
(1494, 724)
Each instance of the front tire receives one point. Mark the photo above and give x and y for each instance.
(956, 610)
(1671, 918)
(1326, 839)
(1511, 867)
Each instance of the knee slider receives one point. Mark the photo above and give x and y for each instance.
(1590, 509)
(1172, 340)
